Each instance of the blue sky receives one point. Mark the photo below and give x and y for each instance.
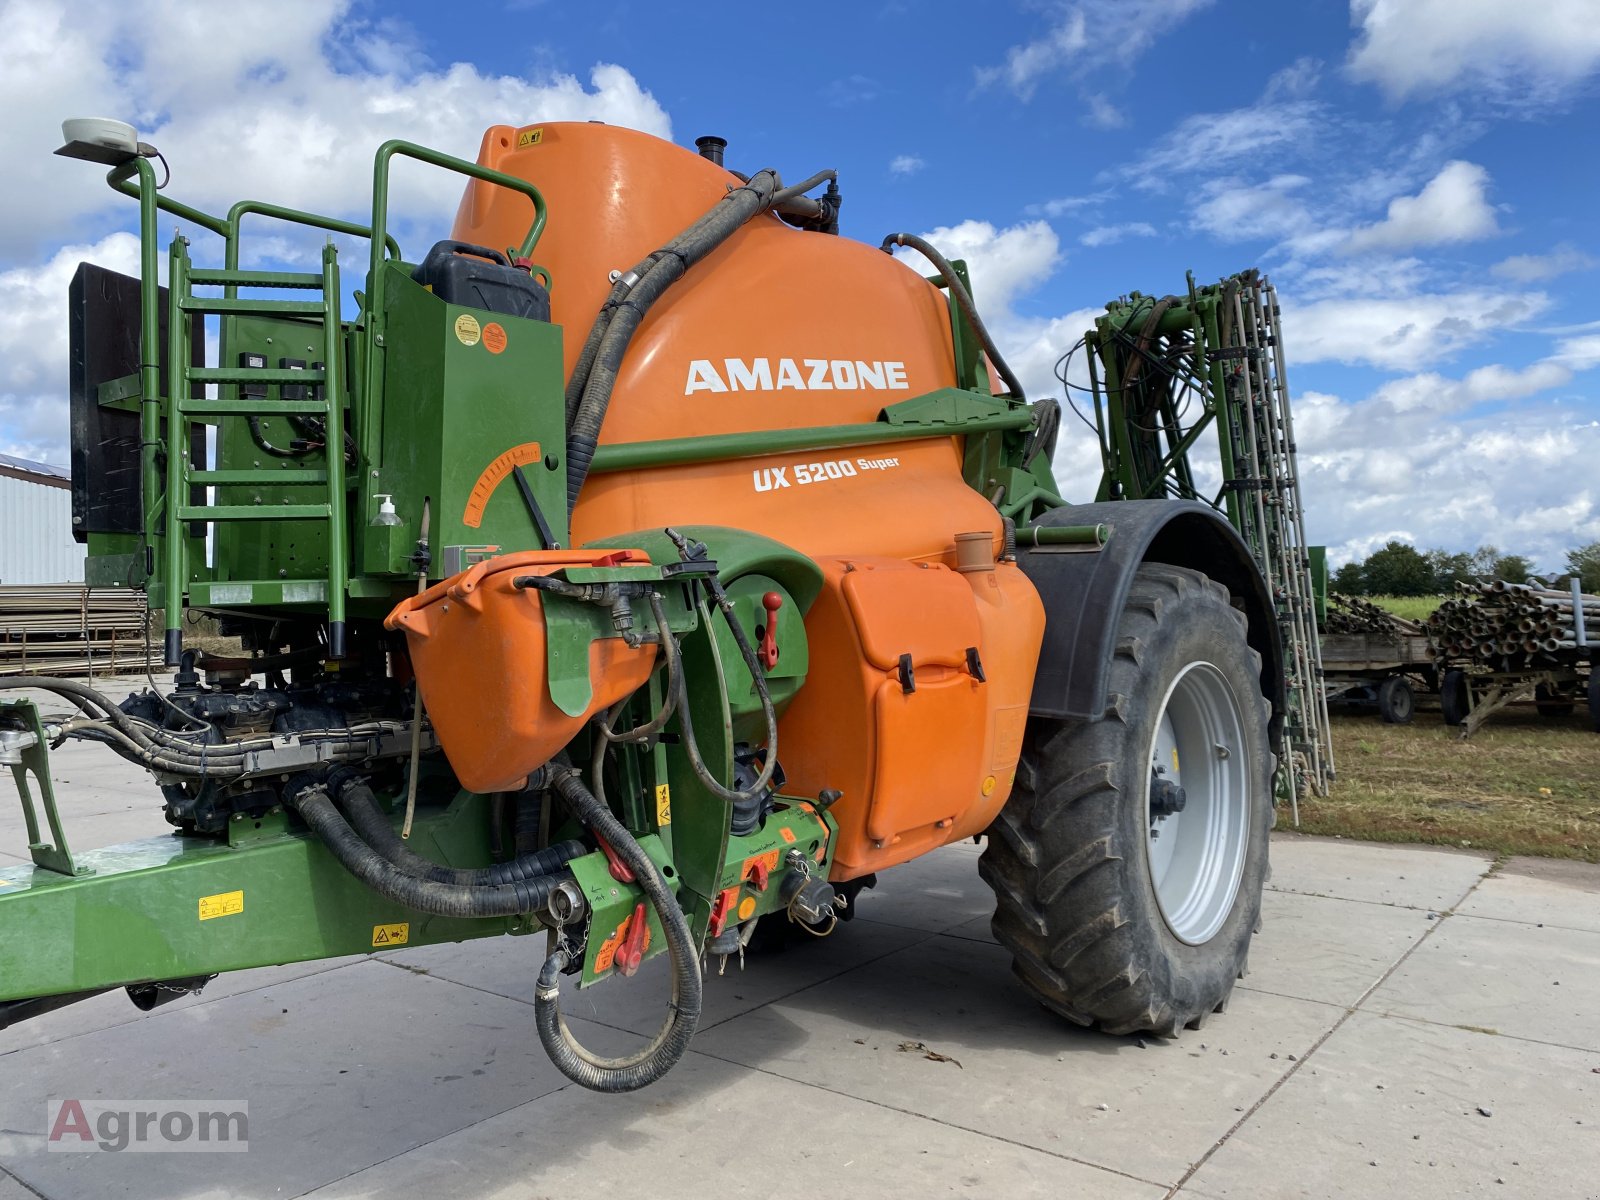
(1417, 176)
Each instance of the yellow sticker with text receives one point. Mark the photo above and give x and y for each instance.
(663, 804)
(467, 329)
(391, 935)
(529, 137)
(223, 904)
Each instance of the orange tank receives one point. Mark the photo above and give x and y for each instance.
(765, 333)
(778, 329)
(478, 645)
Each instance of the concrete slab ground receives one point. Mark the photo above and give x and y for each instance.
(1414, 1023)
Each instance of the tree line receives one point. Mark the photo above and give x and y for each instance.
(1400, 569)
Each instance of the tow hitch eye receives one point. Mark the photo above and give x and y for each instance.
(1166, 798)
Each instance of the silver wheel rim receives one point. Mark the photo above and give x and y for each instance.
(1197, 855)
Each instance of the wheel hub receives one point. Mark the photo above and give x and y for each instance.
(1198, 804)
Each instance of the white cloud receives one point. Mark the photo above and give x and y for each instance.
(1438, 394)
(905, 164)
(284, 103)
(265, 103)
(1402, 333)
(1580, 352)
(1232, 211)
(1453, 207)
(1211, 142)
(1511, 478)
(1004, 263)
(1063, 205)
(1103, 114)
(33, 345)
(1536, 268)
(1514, 51)
(1110, 235)
(1086, 35)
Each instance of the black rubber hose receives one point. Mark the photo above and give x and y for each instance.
(963, 299)
(671, 262)
(649, 1064)
(316, 807)
(360, 806)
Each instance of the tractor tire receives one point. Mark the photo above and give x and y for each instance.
(1551, 704)
(1107, 923)
(1397, 703)
(1455, 702)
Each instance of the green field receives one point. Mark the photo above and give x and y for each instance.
(1412, 608)
(1521, 785)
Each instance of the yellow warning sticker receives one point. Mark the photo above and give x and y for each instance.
(223, 904)
(663, 804)
(391, 935)
(467, 330)
(1174, 760)
(529, 137)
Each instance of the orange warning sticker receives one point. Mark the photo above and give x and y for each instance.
(517, 456)
(494, 337)
(788, 834)
(747, 908)
(608, 949)
(768, 860)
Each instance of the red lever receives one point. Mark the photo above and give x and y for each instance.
(768, 650)
(759, 876)
(620, 871)
(631, 953)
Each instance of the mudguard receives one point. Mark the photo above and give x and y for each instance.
(1084, 594)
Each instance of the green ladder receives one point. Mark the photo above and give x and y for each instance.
(182, 409)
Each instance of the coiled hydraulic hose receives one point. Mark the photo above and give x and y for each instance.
(650, 1063)
(360, 806)
(316, 807)
(963, 299)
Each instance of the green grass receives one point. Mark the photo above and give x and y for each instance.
(1412, 608)
(1522, 785)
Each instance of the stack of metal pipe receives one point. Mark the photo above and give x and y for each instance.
(1353, 615)
(1514, 627)
(70, 629)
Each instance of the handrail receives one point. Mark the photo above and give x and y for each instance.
(244, 208)
(376, 279)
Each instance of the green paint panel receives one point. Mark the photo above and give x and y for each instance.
(280, 899)
(454, 407)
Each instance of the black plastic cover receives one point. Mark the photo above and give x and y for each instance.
(103, 322)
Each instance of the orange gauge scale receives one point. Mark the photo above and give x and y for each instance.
(496, 472)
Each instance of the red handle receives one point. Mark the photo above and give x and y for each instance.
(631, 953)
(768, 650)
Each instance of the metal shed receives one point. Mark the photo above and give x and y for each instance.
(36, 544)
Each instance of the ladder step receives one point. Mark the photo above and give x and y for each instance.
(264, 478)
(253, 308)
(254, 375)
(252, 512)
(261, 279)
(248, 408)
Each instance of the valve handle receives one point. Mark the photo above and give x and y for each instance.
(631, 953)
(767, 652)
